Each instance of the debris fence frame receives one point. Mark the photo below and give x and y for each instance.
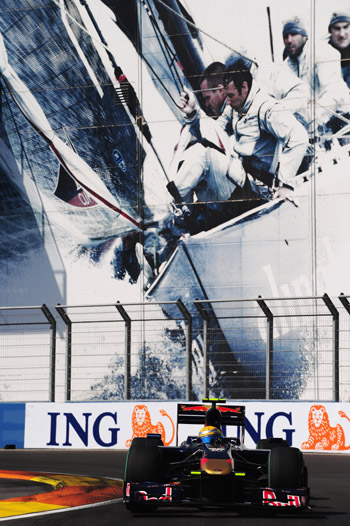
(240, 349)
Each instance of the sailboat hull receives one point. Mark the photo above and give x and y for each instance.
(270, 252)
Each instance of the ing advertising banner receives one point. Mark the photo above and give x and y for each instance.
(12, 422)
(308, 426)
(164, 149)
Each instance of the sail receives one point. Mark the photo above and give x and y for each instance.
(163, 35)
(59, 115)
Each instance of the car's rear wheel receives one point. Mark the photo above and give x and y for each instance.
(286, 468)
(142, 464)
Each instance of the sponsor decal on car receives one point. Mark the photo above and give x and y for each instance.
(143, 496)
(270, 499)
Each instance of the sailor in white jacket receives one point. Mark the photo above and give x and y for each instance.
(324, 78)
(268, 139)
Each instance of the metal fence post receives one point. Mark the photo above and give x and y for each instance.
(333, 310)
(345, 302)
(269, 346)
(206, 326)
(188, 318)
(127, 349)
(68, 323)
(52, 322)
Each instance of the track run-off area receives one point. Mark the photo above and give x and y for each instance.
(83, 487)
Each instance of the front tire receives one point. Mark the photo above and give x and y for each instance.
(271, 443)
(142, 465)
(286, 468)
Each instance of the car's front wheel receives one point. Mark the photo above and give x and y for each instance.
(142, 465)
(271, 443)
(286, 468)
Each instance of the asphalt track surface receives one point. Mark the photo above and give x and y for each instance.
(329, 480)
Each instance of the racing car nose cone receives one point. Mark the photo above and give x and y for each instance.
(216, 466)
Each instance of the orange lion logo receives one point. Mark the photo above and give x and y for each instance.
(321, 435)
(141, 424)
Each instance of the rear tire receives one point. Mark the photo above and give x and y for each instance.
(286, 468)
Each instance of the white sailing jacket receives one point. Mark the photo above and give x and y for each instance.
(325, 82)
(282, 84)
(267, 136)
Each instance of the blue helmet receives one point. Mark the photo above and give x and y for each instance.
(208, 434)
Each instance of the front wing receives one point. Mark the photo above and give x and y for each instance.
(174, 494)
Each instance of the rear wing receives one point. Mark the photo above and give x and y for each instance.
(231, 415)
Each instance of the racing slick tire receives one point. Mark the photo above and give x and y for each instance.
(271, 443)
(305, 477)
(286, 468)
(142, 464)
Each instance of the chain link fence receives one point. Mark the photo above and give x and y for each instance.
(27, 354)
(277, 348)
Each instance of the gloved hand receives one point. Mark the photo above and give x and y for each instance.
(187, 101)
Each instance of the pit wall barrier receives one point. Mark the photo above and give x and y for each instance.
(310, 426)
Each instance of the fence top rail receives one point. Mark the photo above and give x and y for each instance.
(24, 323)
(242, 300)
(9, 314)
(33, 307)
(130, 312)
(274, 316)
(124, 304)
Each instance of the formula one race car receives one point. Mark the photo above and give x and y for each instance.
(214, 470)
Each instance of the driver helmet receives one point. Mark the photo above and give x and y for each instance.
(209, 434)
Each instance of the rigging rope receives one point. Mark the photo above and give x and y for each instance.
(106, 47)
(188, 22)
(164, 42)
